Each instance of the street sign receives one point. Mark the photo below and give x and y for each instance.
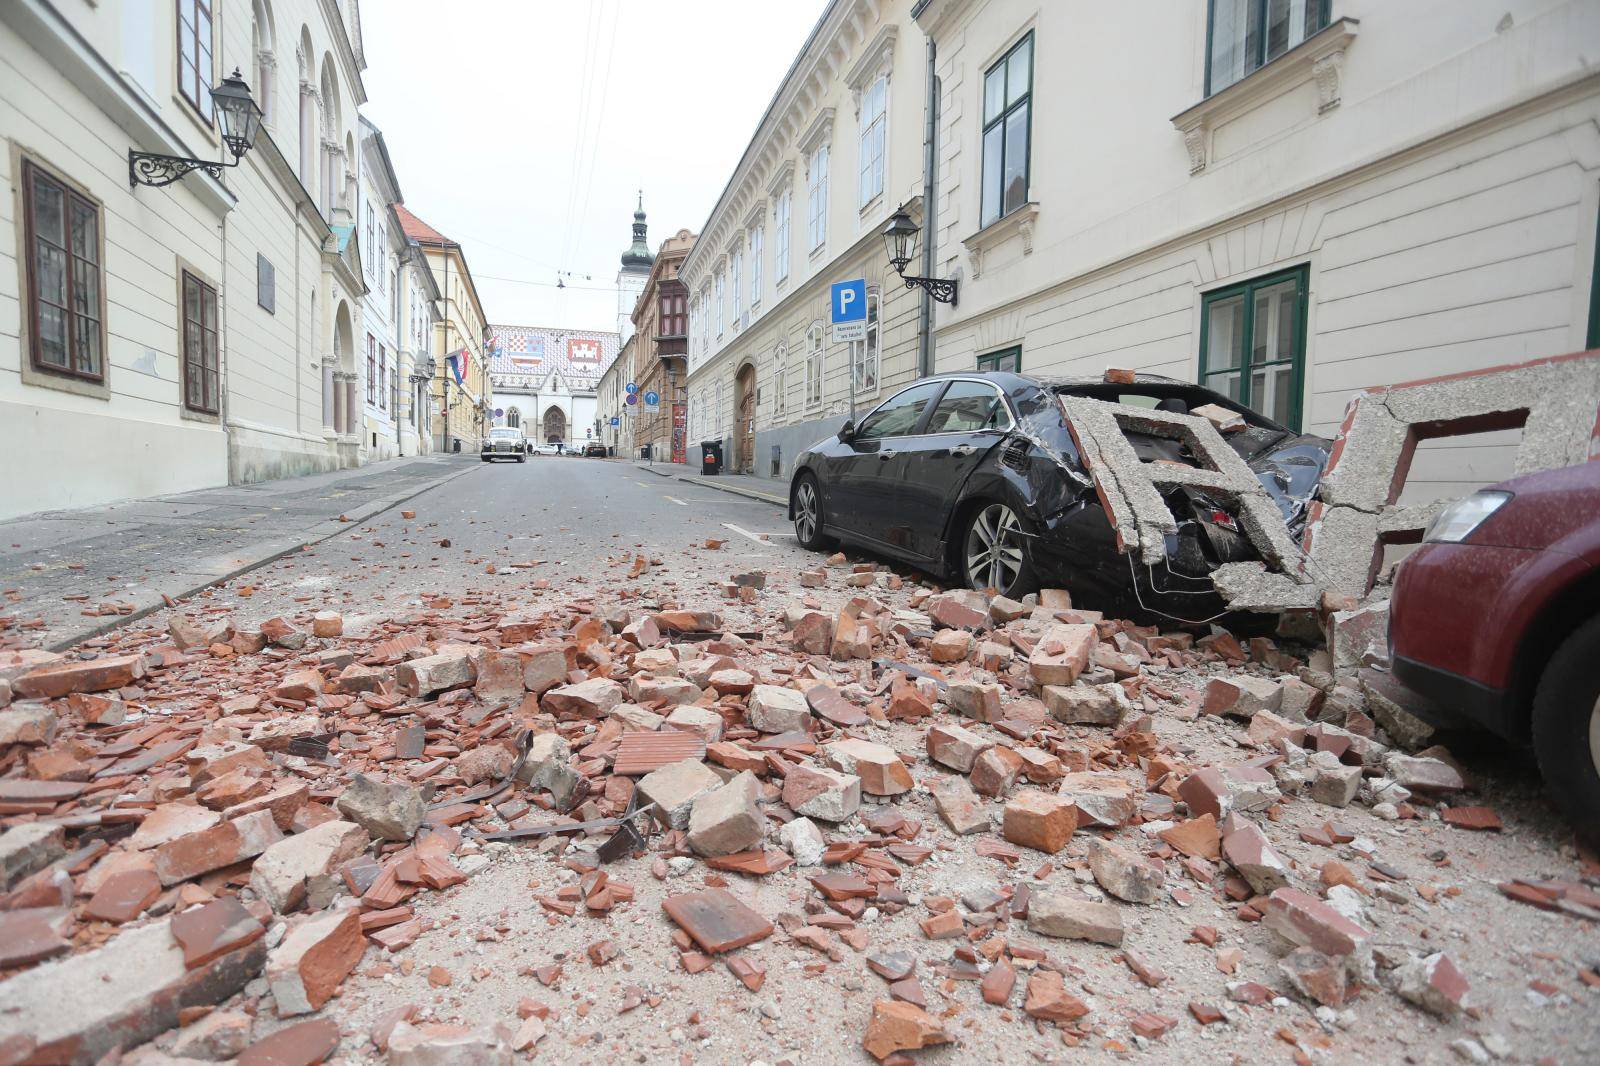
(615, 421)
(630, 388)
(652, 401)
(631, 399)
(847, 307)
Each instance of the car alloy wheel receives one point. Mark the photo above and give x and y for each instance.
(994, 548)
(805, 512)
(1594, 736)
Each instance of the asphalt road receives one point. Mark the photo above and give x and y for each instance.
(547, 526)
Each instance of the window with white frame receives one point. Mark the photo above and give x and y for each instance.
(1246, 35)
(371, 249)
(780, 380)
(817, 198)
(722, 294)
(735, 270)
(814, 365)
(866, 352)
(756, 240)
(194, 54)
(874, 123)
(780, 242)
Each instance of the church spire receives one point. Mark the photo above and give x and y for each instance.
(638, 257)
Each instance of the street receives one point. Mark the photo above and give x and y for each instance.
(509, 940)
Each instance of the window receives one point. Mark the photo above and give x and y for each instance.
(266, 285)
(513, 418)
(394, 302)
(780, 243)
(814, 365)
(735, 263)
(383, 377)
(200, 384)
(372, 366)
(780, 380)
(1007, 359)
(722, 291)
(1245, 35)
(372, 241)
(899, 415)
(756, 238)
(865, 353)
(266, 63)
(1253, 346)
(969, 407)
(874, 121)
(1007, 115)
(194, 54)
(64, 277)
(817, 197)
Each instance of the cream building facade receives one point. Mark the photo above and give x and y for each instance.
(837, 152)
(383, 244)
(205, 333)
(462, 404)
(1290, 202)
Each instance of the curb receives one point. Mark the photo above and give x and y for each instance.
(274, 550)
(737, 490)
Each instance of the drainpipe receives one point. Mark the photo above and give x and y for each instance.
(930, 165)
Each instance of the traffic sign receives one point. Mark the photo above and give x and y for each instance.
(615, 421)
(631, 399)
(847, 307)
(652, 401)
(630, 388)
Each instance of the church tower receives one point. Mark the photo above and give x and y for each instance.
(636, 263)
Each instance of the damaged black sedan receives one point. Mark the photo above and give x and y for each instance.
(976, 478)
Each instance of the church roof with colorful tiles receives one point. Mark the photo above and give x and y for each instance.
(527, 355)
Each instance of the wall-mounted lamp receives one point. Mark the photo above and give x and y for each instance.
(241, 121)
(900, 238)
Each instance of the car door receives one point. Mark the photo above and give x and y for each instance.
(859, 500)
(929, 469)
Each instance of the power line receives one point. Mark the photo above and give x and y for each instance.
(600, 122)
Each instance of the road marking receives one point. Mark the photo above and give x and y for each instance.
(759, 538)
(677, 501)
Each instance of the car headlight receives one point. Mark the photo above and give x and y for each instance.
(1457, 520)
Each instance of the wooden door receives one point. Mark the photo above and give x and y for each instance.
(745, 425)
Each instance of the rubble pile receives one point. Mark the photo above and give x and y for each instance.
(242, 814)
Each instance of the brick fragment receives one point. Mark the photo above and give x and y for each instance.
(314, 958)
(1039, 820)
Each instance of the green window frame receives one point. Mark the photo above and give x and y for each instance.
(1006, 359)
(1007, 132)
(1273, 305)
(1256, 32)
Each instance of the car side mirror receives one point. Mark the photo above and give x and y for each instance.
(847, 430)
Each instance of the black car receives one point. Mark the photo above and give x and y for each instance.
(975, 477)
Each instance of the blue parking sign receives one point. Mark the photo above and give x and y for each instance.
(849, 301)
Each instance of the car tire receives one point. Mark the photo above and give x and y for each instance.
(1566, 729)
(486, 459)
(522, 458)
(990, 551)
(808, 515)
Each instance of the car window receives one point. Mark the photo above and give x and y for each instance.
(898, 416)
(969, 406)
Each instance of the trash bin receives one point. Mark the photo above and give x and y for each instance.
(458, 445)
(711, 457)
(644, 451)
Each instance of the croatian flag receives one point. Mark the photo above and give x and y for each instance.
(458, 366)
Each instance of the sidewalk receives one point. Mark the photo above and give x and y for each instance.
(769, 490)
(87, 571)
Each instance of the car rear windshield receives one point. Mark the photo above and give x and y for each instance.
(505, 434)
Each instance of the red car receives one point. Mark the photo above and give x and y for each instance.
(1496, 619)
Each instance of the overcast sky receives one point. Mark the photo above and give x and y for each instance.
(525, 128)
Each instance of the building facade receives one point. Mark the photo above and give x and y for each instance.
(631, 277)
(661, 325)
(384, 245)
(837, 152)
(422, 304)
(612, 413)
(461, 397)
(193, 334)
(546, 381)
(1288, 202)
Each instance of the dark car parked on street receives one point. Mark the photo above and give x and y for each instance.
(975, 477)
(1496, 620)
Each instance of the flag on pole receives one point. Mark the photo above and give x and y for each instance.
(457, 364)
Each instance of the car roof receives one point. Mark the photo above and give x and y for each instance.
(1008, 380)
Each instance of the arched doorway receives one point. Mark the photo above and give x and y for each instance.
(744, 428)
(555, 426)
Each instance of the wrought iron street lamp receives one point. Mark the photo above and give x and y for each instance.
(900, 240)
(241, 121)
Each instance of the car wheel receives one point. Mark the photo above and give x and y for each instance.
(486, 459)
(808, 515)
(522, 458)
(1566, 729)
(992, 555)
